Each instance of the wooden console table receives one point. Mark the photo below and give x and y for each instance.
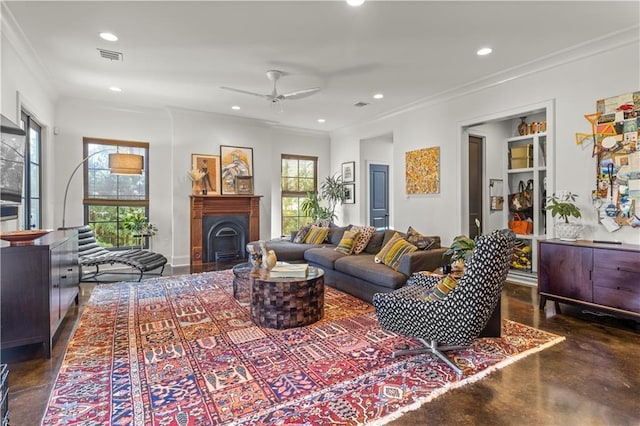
(39, 284)
(602, 276)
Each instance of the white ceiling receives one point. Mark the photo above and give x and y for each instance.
(178, 53)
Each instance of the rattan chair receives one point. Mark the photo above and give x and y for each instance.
(455, 321)
(90, 254)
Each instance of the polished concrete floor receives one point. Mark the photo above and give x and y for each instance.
(592, 378)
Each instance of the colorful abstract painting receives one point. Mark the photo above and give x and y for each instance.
(422, 168)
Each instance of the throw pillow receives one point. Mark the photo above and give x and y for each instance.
(302, 234)
(393, 251)
(316, 235)
(366, 232)
(444, 287)
(347, 242)
(418, 240)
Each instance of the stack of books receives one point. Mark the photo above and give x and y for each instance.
(289, 270)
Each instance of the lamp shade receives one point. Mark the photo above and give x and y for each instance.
(126, 164)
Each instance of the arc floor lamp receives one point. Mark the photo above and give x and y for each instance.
(119, 164)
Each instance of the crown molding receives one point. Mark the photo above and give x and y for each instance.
(13, 34)
(614, 40)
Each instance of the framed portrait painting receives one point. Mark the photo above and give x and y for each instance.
(349, 193)
(209, 168)
(349, 172)
(244, 185)
(235, 161)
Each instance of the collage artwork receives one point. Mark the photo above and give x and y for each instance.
(617, 194)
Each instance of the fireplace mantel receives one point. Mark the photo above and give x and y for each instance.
(212, 205)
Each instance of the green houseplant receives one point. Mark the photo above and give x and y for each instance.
(563, 206)
(331, 191)
(461, 248)
(138, 224)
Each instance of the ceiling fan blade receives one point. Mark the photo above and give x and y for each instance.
(300, 93)
(245, 92)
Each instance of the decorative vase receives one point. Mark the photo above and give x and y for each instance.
(204, 192)
(568, 231)
(255, 256)
(522, 127)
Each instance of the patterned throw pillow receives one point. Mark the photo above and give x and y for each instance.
(366, 232)
(418, 240)
(440, 290)
(393, 251)
(347, 242)
(316, 235)
(302, 234)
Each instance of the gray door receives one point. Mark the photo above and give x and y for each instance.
(475, 184)
(379, 196)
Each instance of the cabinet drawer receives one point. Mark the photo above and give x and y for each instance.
(624, 261)
(619, 298)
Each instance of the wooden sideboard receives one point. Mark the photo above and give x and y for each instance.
(40, 282)
(602, 276)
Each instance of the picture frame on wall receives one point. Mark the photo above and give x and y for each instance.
(209, 165)
(244, 185)
(349, 172)
(350, 193)
(236, 161)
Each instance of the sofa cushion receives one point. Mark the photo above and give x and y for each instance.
(348, 241)
(366, 232)
(375, 243)
(316, 235)
(364, 267)
(442, 288)
(323, 256)
(302, 234)
(388, 234)
(287, 251)
(417, 239)
(335, 234)
(393, 251)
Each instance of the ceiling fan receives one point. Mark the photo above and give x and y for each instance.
(274, 96)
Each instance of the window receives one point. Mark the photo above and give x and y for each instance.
(109, 197)
(31, 199)
(298, 176)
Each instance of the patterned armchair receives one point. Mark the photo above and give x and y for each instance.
(460, 317)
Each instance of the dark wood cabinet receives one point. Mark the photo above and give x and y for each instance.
(39, 284)
(605, 276)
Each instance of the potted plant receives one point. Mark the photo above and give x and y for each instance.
(563, 206)
(139, 226)
(331, 190)
(461, 248)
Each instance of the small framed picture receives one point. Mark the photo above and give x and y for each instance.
(207, 166)
(244, 185)
(350, 193)
(349, 172)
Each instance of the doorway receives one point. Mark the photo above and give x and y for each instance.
(379, 196)
(475, 174)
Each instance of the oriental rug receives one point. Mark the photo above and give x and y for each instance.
(182, 351)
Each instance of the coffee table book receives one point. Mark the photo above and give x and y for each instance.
(296, 270)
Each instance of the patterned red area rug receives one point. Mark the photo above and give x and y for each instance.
(181, 350)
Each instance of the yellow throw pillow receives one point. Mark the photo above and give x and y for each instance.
(347, 242)
(442, 289)
(393, 251)
(316, 235)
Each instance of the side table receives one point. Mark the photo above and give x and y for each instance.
(241, 287)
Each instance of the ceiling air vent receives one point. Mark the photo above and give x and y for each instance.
(361, 104)
(110, 54)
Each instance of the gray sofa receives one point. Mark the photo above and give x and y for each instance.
(359, 275)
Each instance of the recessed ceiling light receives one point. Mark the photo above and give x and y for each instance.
(235, 107)
(321, 120)
(378, 96)
(484, 51)
(115, 89)
(108, 36)
(355, 2)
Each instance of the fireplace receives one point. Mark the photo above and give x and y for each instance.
(224, 237)
(221, 226)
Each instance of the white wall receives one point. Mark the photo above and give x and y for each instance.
(575, 86)
(22, 87)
